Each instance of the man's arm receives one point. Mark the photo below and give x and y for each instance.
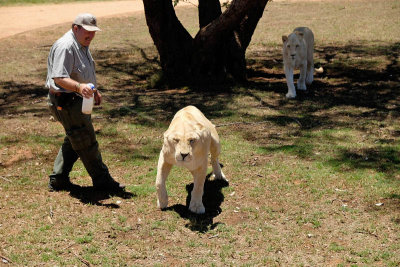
(74, 86)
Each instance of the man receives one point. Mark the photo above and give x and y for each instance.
(70, 68)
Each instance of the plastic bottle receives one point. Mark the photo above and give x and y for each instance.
(87, 103)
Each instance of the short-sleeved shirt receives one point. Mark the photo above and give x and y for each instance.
(69, 59)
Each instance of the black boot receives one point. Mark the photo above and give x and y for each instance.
(60, 184)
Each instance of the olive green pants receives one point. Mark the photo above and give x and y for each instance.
(80, 141)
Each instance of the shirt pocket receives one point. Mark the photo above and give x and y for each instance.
(81, 73)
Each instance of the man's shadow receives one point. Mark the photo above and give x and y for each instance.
(212, 200)
(89, 195)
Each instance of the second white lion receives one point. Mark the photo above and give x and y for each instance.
(298, 52)
(187, 142)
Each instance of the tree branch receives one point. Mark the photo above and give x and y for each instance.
(228, 21)
(173, 41)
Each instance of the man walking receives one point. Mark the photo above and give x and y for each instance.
(70, 68)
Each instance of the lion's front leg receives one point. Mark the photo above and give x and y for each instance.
(196, 201)
(218, 174)
(289, 81)
(215, 149)
(310, 72)
(301, 83)
(163, 170)
(310, 64)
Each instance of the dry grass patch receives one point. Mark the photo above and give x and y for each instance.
(313, 181)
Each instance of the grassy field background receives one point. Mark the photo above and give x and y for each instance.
(313, 181)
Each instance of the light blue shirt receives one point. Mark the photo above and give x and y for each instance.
(69, 59)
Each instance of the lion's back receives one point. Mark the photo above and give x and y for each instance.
(192, 117)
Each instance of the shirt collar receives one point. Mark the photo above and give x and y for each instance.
(77, 42)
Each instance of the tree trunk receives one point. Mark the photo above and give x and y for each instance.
(173, 42)
(241, 40)
(218, 48)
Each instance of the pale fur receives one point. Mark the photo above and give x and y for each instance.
(298, 52)
(187, 142)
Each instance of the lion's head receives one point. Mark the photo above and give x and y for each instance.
(185, 143)
(293, 45)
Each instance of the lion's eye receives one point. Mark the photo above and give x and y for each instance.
(288, 46)
(191, 141)
(297, 46)
(176, 140)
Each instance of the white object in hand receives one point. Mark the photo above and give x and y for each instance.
(87, 103)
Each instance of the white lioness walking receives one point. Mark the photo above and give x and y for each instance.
(298, 52)
(187, 142)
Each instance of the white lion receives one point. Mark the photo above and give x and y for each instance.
(187, 142)
(298, 52)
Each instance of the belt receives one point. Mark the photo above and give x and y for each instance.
(54, 93)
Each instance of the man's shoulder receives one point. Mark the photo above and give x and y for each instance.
(65, 42)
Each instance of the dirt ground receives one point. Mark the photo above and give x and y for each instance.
(37, 16)
(25, 18)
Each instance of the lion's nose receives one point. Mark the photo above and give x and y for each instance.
(184, 155)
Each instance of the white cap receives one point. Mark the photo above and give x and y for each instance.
(87, 21)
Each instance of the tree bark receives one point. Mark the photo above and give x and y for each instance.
(241, 40)
(218, 48)
(173, 42)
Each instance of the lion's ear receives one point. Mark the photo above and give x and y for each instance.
(300, 34)
(165, 138)
(284, 38)
(166, 135)
(199, 127)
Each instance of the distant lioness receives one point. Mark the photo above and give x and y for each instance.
(187, 142)
(298, 52)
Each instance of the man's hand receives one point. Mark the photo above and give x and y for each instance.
(97, 97)
(85, 90)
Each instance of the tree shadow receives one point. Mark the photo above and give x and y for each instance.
(360, 85)
(386, 160)
(29, 96)
(212, 200)
(356, 84)
(89, 195)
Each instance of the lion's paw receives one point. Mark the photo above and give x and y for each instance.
(290, 96)
(196, 207)
(301, 86)
(220, 176)
(162, 204)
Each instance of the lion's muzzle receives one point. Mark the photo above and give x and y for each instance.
(183, 157)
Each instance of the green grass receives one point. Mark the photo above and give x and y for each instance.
(305, 175)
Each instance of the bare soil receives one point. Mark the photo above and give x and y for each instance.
(37, 16)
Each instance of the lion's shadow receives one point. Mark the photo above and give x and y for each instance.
(212, 200)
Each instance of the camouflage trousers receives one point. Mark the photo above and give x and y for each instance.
(80, 140)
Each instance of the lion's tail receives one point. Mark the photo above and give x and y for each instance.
(319, 70)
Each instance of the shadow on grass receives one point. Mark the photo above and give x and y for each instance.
(88, 195)
(14, 96)
(383, 159)
(361, 83)
(395, 196)
(212, 200)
